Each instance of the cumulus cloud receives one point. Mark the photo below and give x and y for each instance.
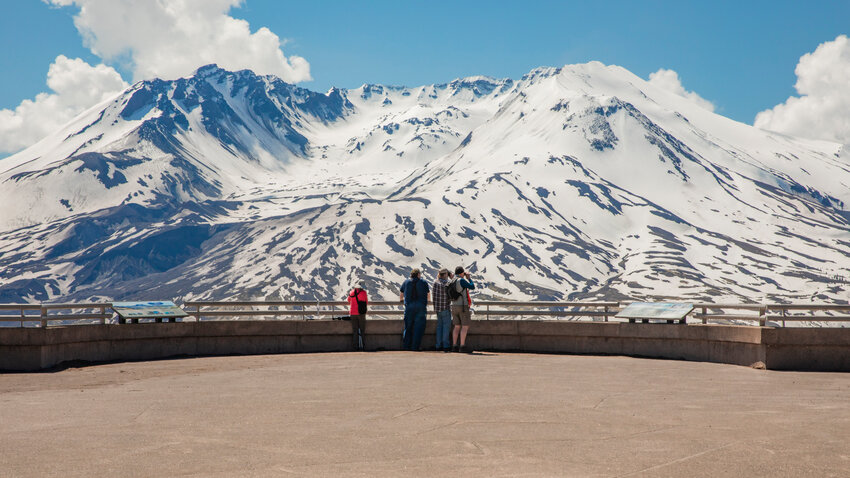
(151, 38)
(171, 38)
(669, 80)
(822, 111)
(76, 86)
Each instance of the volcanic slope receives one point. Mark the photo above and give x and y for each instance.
(576, 182)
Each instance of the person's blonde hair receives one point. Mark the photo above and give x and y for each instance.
(415, 273)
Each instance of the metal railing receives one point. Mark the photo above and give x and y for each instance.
(703, 312)
(303, 310)
(47, 313)
(382, 309)
(593, 310)
(778, 313)
(774, 315)
(791, 313)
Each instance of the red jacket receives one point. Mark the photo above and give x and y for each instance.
(352, 300)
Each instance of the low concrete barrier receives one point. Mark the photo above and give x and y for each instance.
(29, 349)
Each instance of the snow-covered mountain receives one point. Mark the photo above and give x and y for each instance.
(576, 182)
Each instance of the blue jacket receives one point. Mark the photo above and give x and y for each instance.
(415, 292)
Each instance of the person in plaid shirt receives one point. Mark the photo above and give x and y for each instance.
(443, 310)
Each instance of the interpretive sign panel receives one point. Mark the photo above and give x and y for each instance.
(148, 310)
(656, 310)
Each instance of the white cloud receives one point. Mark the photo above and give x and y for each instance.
(172, 38)
(156, 38)
(822, 111)
(76, 86)
(669, 80)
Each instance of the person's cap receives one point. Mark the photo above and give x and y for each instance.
(458, 270)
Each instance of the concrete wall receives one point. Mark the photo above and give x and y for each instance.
(816, 349)
(788, 349)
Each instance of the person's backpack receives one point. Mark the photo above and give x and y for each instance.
(454, 294)
(361, 304)
(414, 295)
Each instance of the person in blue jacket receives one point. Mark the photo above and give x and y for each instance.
(415, 293)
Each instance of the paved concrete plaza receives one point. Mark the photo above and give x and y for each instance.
(424, 414)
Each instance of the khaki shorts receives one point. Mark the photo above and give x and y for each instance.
(461, 315)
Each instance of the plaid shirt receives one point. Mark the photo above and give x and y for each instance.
(441, 297)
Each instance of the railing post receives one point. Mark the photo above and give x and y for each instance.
(487, 312)
(23, 316)
(103, 314)
(704, 312)
(762, 314)
(606, 313)
(783, 316)
(43, 316)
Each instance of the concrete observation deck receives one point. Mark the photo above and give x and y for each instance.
(423, 414)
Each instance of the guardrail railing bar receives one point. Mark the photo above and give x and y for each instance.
(396, 303)
(781, 316)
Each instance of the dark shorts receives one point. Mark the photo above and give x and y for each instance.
(461, 315)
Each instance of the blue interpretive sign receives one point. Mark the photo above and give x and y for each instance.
(148, 310)
(656, 310)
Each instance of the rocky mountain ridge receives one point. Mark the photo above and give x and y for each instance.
(579, 182)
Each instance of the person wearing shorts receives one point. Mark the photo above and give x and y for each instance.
(461, 315)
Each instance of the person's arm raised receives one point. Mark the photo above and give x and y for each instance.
(467, 282)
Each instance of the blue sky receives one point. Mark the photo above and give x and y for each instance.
(740, 55)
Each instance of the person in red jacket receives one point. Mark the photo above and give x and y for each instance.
(357, 301)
